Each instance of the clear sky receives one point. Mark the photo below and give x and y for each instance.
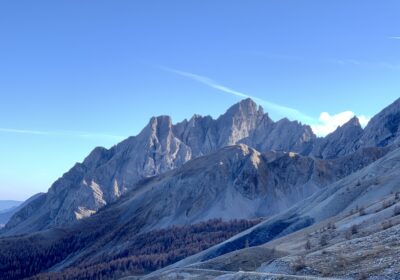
(78, 74)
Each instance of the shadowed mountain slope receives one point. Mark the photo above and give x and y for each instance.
(235, 182)
(366, 199)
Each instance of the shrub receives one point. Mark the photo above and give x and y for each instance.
(299, 264)
(331, 226)
(341, 262)
(323, 241)
(354, 229)
(308, 245)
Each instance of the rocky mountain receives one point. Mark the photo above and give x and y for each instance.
(161, 146)
(106, 174)
(235, 182)
(176, 193)
(344, 230)
(213, 186)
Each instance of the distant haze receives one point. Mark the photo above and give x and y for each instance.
(7, 204)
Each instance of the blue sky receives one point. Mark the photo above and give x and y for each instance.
(79, 74)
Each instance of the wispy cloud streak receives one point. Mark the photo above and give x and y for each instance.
(277, 108)
(79, 134)
(395, 37)
(360, 63)
(23, 131)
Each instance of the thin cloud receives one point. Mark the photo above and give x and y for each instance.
(273, 56)
(79, 134)
(395, 37)
(360, 63)
(23, 131)
(350, 61)
(280, 109)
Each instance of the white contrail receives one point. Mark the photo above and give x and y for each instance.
(280, 109)
(61, 133)
(395, 37)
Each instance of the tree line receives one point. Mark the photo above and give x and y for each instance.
(144, 253)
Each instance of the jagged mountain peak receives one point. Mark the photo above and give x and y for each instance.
(96, 157)
(160, 123)
(349, 129)
(195, 117)
(247, 102)
(246, 108)
(343, 141)
(354, 121)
